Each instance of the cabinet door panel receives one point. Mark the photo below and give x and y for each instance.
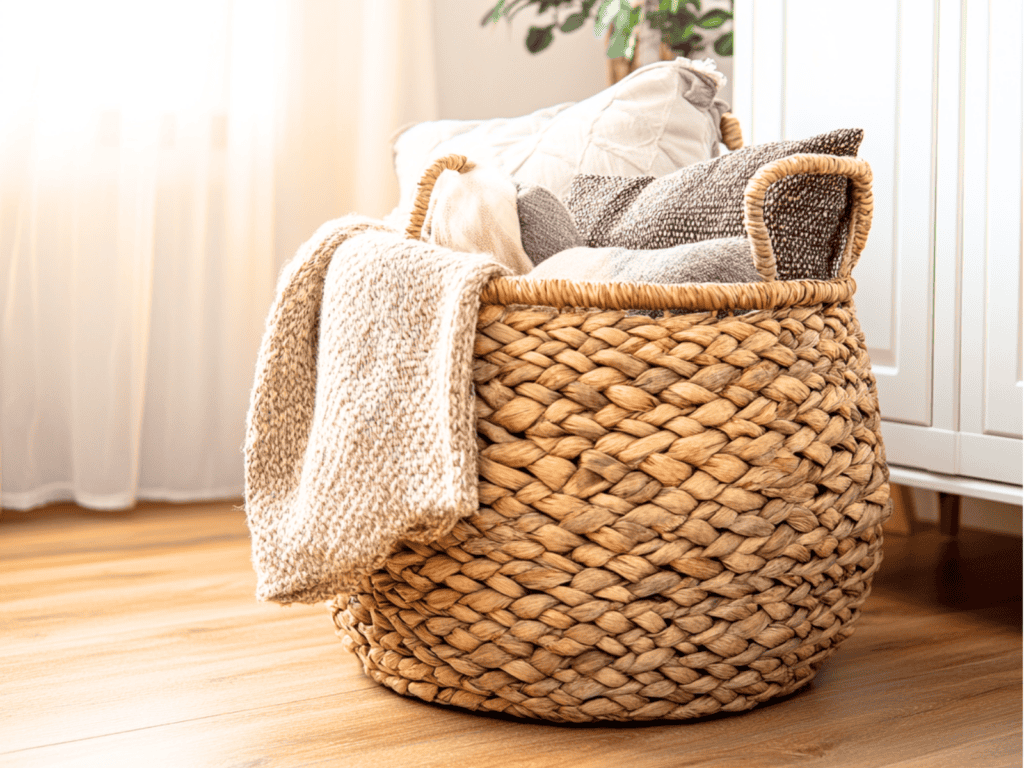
(990, 360)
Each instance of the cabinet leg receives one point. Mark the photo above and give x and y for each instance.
(949, 514)
(901, 522)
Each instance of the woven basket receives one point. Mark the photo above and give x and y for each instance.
(678, 516)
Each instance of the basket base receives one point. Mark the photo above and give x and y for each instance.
(597, 709)
(655, 697)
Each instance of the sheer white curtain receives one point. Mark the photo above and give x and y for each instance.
(159, 163)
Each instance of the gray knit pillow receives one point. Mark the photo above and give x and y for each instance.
(545, 224)
(726, 260)
(805, 214)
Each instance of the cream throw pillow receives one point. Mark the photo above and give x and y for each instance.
(658, 119)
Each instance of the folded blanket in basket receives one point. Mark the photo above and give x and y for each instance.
(361, 427)
(723, 260)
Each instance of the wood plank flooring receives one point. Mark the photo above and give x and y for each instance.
(133, 639)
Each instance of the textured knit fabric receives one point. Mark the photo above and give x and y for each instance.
(727, 260)
(361, 427)
(475, 212)
(805, 214)
(545, 224)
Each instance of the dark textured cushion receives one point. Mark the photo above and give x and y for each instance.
(805, 214)
(545, 224)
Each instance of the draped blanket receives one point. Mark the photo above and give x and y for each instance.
(361, 428)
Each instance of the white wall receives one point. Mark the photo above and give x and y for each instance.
(485, 72)
(724, 64)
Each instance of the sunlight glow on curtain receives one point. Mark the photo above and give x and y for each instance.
(159, 164)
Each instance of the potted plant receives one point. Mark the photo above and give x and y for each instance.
(637, 33)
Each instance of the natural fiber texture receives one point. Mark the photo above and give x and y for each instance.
(732, 132)
(716, 296)
(705, 201)
(678, 516)
(360, 428)
(418, 215)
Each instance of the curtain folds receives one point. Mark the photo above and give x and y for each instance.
(160, 163)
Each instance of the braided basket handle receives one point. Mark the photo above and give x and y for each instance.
(732, 134)
(858, 171)
(426, 186)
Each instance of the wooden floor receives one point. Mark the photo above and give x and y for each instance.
(133, 639)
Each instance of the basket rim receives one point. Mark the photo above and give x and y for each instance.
(695, 297)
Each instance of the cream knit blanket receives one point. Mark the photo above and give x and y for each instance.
(361, 427)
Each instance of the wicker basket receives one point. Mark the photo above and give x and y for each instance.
(678, 516)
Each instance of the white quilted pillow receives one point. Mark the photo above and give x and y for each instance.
(653, 122)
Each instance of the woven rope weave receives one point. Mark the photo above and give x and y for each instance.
(732, 133)
(678, 516)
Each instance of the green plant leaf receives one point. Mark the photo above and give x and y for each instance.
(714, 19)
(677, 6)
(629, 21)
(546, 4)
(723, 45)
(618, 45)
(573, 22)
(623, 17)
(605, 16)
(539, 38)
(506, 9)
(494, 15)
(631, 48)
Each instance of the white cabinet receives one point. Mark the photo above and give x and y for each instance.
(990, 331)
(937, 87)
